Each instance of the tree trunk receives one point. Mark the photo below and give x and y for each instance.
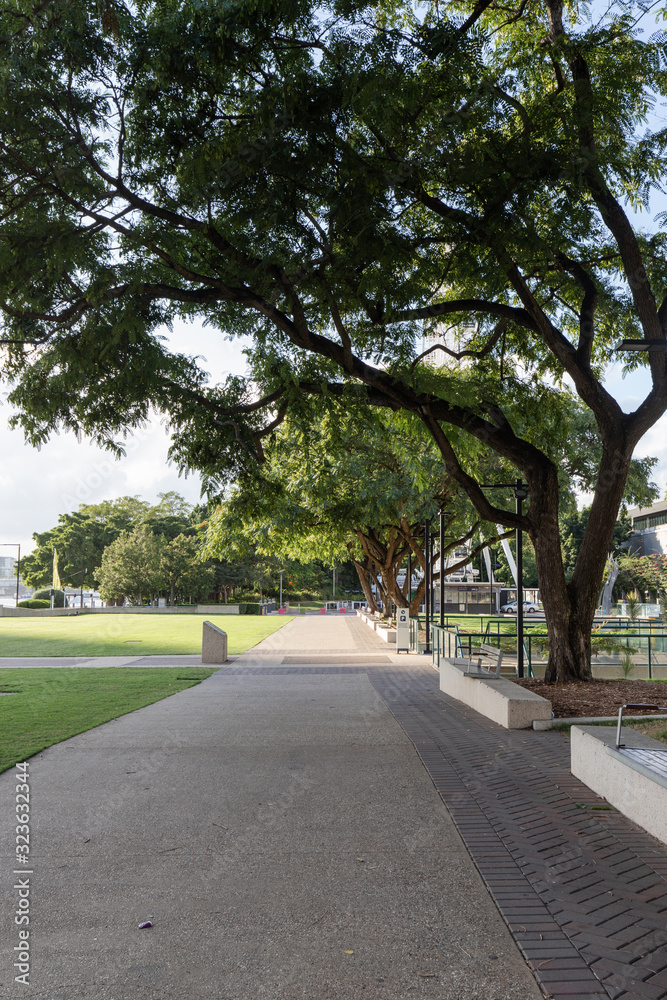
(570, 607)
(362, 573)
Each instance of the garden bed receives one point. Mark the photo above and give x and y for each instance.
(597, 698)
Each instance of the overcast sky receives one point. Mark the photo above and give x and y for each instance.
(37, 486)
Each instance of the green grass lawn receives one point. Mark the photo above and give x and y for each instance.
(50, 704)
(128, 635)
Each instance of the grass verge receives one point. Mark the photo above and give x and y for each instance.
(49, 705)
(128, 635)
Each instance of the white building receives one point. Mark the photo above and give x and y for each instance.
(455, 338)
(649, 530)
(8, 582)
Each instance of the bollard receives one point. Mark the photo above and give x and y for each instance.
(213, 644)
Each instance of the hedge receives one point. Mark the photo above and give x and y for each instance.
(45, 594)
(34, 604)
(250, 609)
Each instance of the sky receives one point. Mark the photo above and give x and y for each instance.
(37, 486)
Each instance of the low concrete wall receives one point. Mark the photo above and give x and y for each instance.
(640, 797)
(386, 634)
(498, 699)
(217, 609)
(186, 609)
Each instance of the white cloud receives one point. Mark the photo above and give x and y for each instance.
(38, 485)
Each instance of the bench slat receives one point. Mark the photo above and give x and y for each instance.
(656, 760)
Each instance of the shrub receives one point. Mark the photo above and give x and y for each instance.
(34, 604)
(250, 609)
(45, 595)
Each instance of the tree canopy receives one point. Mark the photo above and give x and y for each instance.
(141, 563)
(81, 537)
(328, 178)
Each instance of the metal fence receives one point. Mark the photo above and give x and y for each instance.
(635, 651)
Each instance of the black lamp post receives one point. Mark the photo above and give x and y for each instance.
(427, 584)
(520, 494)
(442, 571)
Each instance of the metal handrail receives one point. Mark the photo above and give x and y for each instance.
(620, 745)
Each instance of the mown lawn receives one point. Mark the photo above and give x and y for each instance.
(128, 635)
(50, 704)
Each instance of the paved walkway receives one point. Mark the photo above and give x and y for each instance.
(277, 827)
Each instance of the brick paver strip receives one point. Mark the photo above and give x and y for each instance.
(582, 891)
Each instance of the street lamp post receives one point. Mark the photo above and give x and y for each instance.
(520, 494)
(427, 584)
(442, 571)
(18, 564)
(281, 571)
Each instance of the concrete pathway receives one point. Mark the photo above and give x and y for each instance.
(275, 825)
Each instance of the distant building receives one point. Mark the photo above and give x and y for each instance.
(455, 338)
(649, 526)
(8, 581)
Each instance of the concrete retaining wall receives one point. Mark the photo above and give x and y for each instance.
(500, 700)
(186, 609)
(641, 798)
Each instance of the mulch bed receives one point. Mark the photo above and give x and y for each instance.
(598, 697)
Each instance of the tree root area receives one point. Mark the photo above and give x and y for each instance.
(598, 697)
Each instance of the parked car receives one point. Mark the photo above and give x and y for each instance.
(528, 608)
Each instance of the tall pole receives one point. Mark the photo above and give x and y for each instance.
(520, 494)
(427, 584)
(281, 588)
(409, 578)
(442, 571)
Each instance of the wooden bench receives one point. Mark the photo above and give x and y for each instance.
(476, 668)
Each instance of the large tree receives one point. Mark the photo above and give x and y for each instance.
(81, 537)
(327, 178)
(358, 486)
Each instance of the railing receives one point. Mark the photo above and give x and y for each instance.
(648, 639)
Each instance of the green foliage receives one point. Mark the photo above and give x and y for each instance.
(250, 609)
(142, 563)
(634, 607)
(646, 573)
(34, 604)
(81, 537)
(573, 526)
(58, 597)
(326, 178)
